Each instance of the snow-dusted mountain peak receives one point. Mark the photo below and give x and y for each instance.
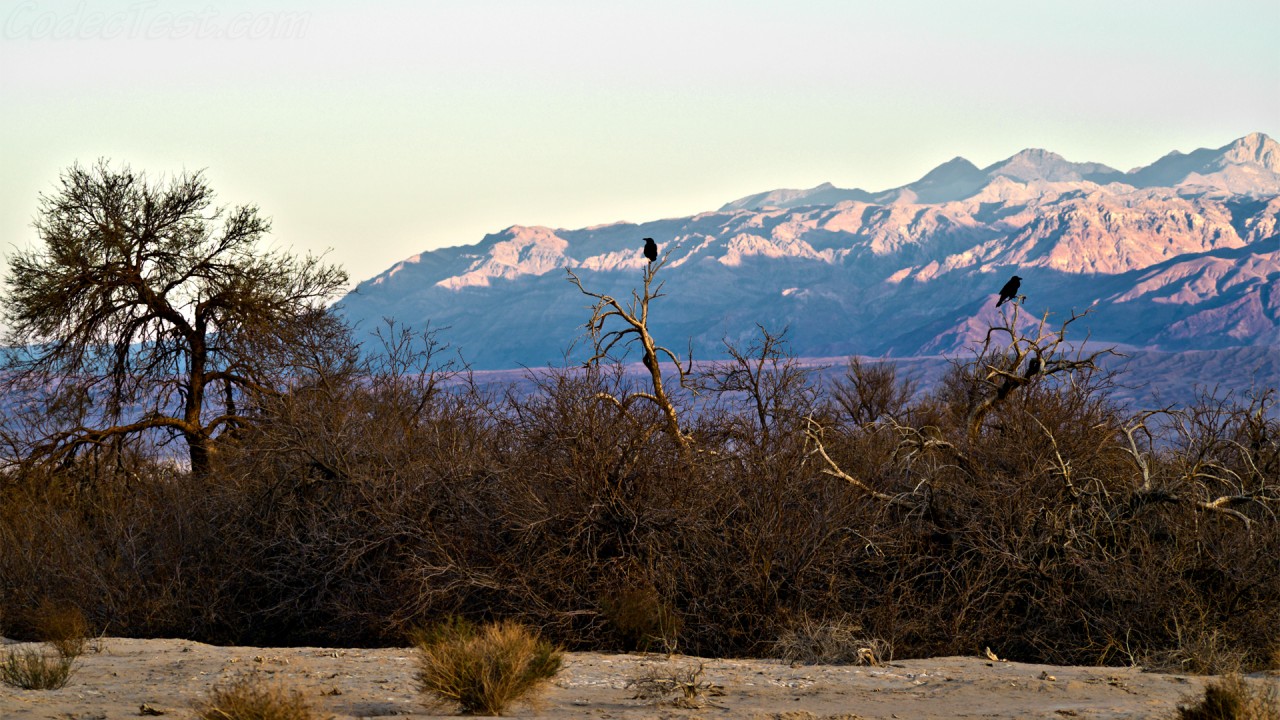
(524, 251)
(1182, 254)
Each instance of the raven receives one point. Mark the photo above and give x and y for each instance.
(1034, 366)
(650, 249)
(1010, 290)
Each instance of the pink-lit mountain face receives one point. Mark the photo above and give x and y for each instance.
(1180, 255)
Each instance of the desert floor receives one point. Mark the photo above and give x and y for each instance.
(169, 676)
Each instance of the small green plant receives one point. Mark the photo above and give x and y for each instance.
(1231, 697)
(249, 697)
(483, 670)
(31, 668)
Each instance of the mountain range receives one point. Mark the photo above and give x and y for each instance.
(1176, 256)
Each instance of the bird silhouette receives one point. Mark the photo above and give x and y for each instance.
(650, 249)
(1010, 290)
(1033, 368)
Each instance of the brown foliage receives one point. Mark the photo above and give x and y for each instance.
(484, 670)
(63, 627)
(250, 697)
(373, 498)
(1233, 698)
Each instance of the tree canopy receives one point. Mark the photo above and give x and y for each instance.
(145, 307)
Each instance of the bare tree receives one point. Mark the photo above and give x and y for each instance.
(871, 391)
(767, 375)
(1002, 367)
(145, 308)
(996, 373)
(628, 325)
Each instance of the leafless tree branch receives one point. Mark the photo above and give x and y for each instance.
(634, 319)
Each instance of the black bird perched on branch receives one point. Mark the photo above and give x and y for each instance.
(1010, 290)
(1033, 367)
(650, 249)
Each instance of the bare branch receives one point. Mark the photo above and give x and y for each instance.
(1001, 366)
(635, 329)
(813, 433)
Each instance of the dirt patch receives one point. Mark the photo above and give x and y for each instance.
(168, 676)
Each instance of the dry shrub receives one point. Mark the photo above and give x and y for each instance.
(30, 668)
(63, 626)
(1203, 651)
(128, 541)
(868, 392)
(643, 620)
(365, 502)
(484, 670)
(249, 697)
(1232, 697)
(680, 686)
(838, 642)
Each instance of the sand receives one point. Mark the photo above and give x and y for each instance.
(169, 676)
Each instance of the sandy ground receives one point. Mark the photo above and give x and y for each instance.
(168, 676)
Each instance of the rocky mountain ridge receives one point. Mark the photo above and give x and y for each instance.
(1182, 254)
(1249, 165)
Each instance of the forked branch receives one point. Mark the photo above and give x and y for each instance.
(813, 434)
(1194, 484)
(614, 325)
(1004, 367)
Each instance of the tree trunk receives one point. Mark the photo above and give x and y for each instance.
(198, 451)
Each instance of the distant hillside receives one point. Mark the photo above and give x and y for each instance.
(1179, 255)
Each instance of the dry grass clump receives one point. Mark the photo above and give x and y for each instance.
(1233, 698)
(62, 626)
(31, 668)
(249, 697)
(839, 642)
(679, 686)
(1200, 653)
(65, 630)
(483, 670)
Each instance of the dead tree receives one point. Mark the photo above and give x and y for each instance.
(628, 325)
(767, 376)
(1003, 367)
(998, 371)
(1221, 465)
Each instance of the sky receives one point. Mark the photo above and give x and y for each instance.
(373, 131)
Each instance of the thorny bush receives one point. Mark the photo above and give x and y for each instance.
(1012, 507)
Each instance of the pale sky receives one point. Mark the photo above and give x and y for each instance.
(382, 129)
